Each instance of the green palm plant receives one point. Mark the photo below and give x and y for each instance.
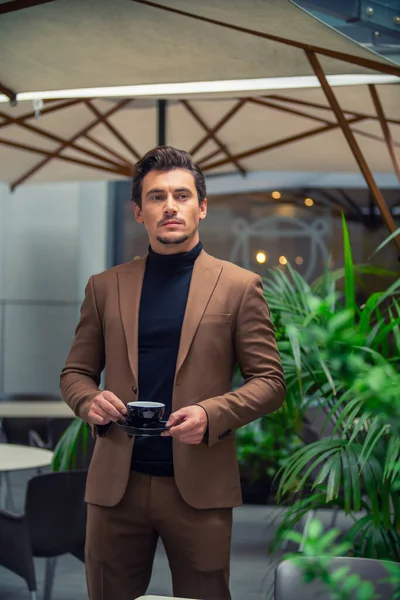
(343, 358)
(73, 442)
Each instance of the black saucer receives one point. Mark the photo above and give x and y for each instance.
(144, 431)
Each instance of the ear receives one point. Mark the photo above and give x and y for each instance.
(203, 209)
(138, 213)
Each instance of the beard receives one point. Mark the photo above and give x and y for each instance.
(178, 240)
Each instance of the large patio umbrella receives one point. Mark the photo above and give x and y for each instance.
(185, 50)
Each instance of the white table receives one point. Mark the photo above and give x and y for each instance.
(161, 598)
(19, 458)
(35, 409)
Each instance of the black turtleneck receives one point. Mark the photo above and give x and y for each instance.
(163, 301)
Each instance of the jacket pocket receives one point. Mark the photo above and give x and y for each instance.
(216, 318)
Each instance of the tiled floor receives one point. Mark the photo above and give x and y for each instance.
(251, 567)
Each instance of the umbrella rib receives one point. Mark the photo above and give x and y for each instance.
(364, 62)
(372, 136)
(15, 5)
(56, 138)
(46, 110)
(209, 156)
(324, 107)
(35, 150)
(104, 147)
(352, 142)
(218, 126)
(315, 118)
(66, 144)
(103, 119)
(292, 111)
(216, 139)
(385, 129)
(281, 142)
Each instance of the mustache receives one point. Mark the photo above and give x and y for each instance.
(161, 223)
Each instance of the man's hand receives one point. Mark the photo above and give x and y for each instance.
(106, 407)
(188, 425)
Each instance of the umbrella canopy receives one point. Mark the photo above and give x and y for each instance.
(67, 44)
(285, 130)
(64, 48)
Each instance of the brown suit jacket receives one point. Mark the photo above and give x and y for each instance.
(226, 322)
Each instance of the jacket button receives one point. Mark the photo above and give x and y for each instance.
(134, 390)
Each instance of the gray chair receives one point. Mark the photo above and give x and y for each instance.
(53, 524)
(289, 582)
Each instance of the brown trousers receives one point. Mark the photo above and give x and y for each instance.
(121, 542)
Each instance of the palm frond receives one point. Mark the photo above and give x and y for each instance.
(350, 293)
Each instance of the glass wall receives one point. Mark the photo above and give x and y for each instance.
(268, 229)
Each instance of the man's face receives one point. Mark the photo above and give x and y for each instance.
(170, 210)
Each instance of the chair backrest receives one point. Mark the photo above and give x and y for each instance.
(289, 581)
(56, 513)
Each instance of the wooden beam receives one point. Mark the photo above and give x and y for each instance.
(44, 111)
(66, 144)
(349, 58)
(353, 113)
(365, 134)
(216, 139)
(56, 138)
(117, 134)
(372, 136)
(50, 155)
(385, 129)
(209, 156)
(351, 140)
(278, 143)
(218, 126)
(291, 111)
(8, 7)
(122, 159)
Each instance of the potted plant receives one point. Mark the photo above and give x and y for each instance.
(263, 447)
(344, 358)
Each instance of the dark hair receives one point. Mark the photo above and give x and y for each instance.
(166, 158)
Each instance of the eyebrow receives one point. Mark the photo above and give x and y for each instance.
(160, 191)
(155, 191)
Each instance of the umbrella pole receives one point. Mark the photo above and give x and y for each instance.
(161, 122)
(355, 148)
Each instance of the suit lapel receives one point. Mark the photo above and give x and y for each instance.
(206, 272)
(130, 281)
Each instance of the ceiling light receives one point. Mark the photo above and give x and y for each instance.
(309, 202)
(161, 90)
(283, 260)
(276, 195)
(261, 257)
(299, 260)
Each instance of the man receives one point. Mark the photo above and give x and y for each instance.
(169, 327)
